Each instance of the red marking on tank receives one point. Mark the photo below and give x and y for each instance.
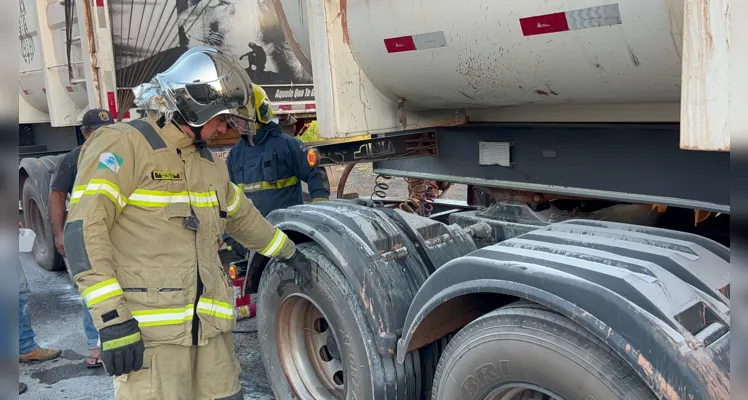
(112, 103)
(541, 24)
(44, 90)
(26, 92)
(99, 3)
(421, 41)
(400, 44)
(310, 106)
(69, 89)
(582, 18)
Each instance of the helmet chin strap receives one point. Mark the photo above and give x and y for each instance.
(185, 113)
(197, 131)
(198, 140)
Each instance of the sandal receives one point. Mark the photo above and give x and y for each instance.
(93, 362)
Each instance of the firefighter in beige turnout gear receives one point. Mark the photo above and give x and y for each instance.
(149, 208)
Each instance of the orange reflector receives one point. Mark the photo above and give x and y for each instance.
(232, 272)
(312, 157)
(700, 216)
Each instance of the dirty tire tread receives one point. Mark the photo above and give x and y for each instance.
(392, 379)
(556, 330)
(526, 304)
(430, 356)
(49, 259)
(419, 373)
(413, 375)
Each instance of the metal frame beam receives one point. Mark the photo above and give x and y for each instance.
(621, 162)
(391, 147)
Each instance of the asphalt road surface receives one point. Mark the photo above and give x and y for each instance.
(57, 320)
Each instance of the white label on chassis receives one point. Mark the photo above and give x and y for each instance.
(495, 153)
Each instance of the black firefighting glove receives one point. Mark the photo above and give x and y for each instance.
(302, 265)
(122, 348)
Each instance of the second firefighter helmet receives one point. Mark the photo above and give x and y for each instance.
(263, 108)
(202, 84)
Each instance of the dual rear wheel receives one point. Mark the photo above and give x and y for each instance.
(316, 344)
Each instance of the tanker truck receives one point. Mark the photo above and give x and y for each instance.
(590, 259)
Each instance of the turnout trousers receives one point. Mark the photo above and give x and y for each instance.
(177, 372)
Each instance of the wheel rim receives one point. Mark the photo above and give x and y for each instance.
(309, 350)
(37, 225)
(521, 391)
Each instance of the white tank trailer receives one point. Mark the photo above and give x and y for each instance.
(621, 100)
(522, 61)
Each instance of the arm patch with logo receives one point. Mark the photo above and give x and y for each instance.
(163, 175)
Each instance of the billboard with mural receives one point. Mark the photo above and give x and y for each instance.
(270, 40)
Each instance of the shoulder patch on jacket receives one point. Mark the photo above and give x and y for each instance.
(163, 175)
(110, 161)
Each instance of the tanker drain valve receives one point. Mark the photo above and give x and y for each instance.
(481, 230)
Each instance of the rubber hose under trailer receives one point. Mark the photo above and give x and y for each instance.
(324, 350)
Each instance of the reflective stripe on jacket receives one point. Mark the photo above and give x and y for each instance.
(270, 172)
(148, 211)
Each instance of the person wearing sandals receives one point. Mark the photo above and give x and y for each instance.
(61, 187)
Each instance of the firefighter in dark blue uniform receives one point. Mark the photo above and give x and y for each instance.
(270, 165)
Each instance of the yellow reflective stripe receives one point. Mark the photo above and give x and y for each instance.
(159, 192)
(77, 193)
(157, 198)
(216, 302)
(279, 184)
(234, 205)
(320, 199)
(164, 316)
(121, 342)
(215, 308)
(101, 291)
(205, 199)
(275, 245)
(99, 186)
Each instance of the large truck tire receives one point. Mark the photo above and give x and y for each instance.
(527, 352)
(44, 249)
(316, 342)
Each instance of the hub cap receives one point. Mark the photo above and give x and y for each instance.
(521, 391)
(309, 351)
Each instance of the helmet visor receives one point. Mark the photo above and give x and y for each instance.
(243, 126)
(204, 83)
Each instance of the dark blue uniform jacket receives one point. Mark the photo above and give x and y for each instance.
(271, 171)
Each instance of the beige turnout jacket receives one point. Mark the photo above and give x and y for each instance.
(133, 240)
